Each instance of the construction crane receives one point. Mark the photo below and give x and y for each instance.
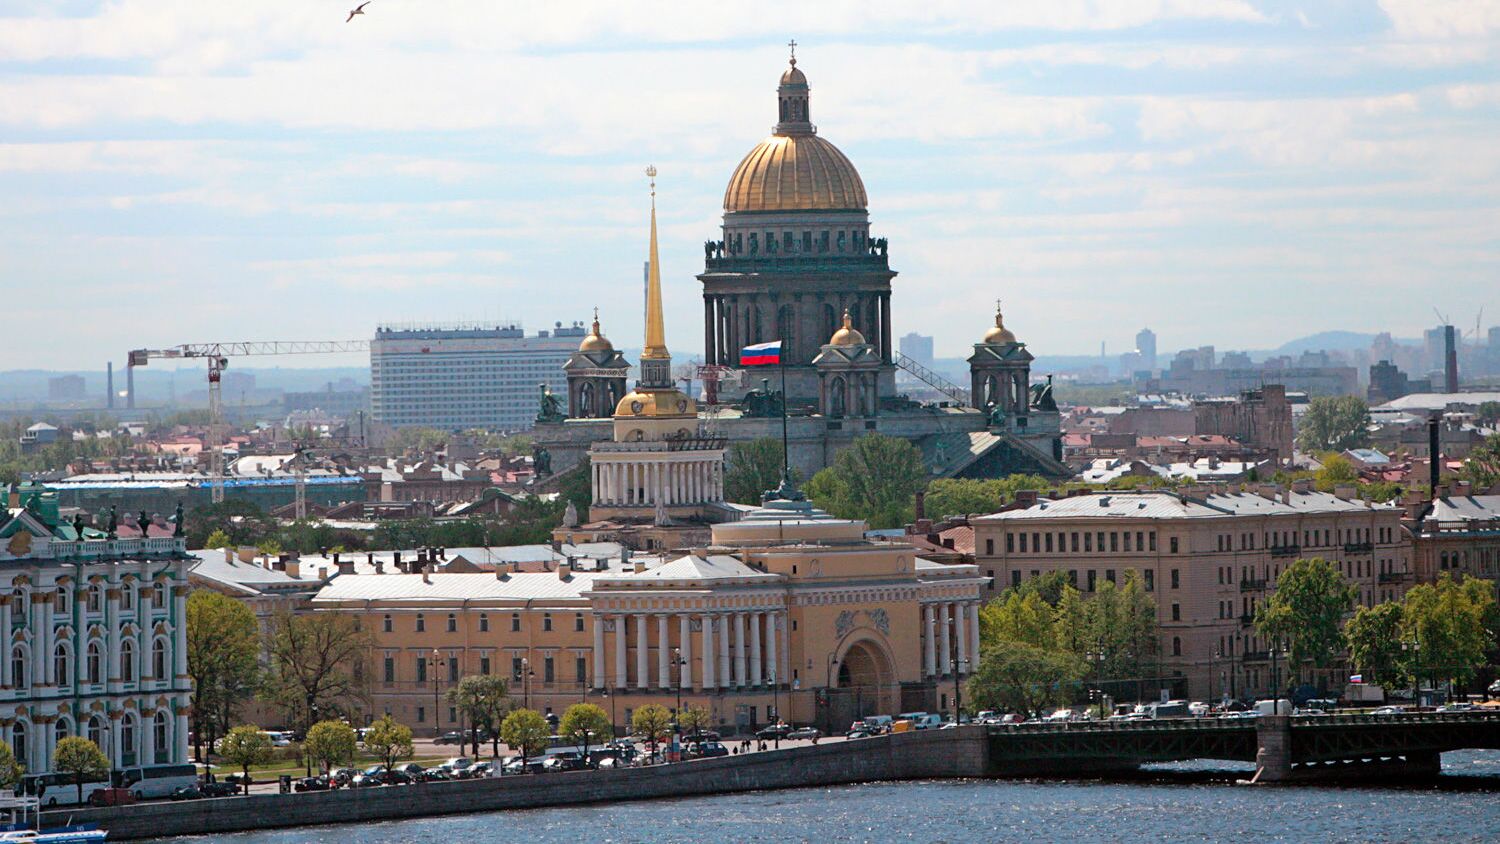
(217, 356)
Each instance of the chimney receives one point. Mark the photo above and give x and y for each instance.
(1433, 448)
(1026, 497)
(921, 505)
(1344, 492)
(1267, 491)
(379, 566)
(322, 572)
(1462, 489)
(640, 566)
(565, 571)
(1450, 360)
(343, 566)
(335, 558)
(426, 576)
(293, 568)
(397, 560)
(228, 554)
(502, 571)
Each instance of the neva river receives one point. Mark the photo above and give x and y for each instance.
(1461, 809)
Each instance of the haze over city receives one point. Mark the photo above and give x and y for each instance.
(1229, 173)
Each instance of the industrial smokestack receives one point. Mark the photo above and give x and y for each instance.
(129, 387)
(1450, 360)
(109, 385)
(1433, 423)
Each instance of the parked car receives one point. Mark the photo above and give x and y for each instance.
(569, 760)
(1494, 689)
(773, 731)
(1457, 707)
(456, 764)
(804, 733)
(610, 763)
(481, 769)
(217, 788)
(188, 792)
(370, 776)
(859, 733)
(312, 784)
(1389, 710)
(515, 765)
(340, 777)
(709, 749)
(702, 735)
(433, 774)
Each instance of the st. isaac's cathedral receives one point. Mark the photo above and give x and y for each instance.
(796, 261)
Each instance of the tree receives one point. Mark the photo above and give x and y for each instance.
(1482, 467)
(525, 730)
(1337, 471)
(751, 469)
(331, 743)
(1306, 612)
(317, 660)
(577, 485)
(223, 661)
(218, 539)
(246, 746)
(694, 719)
(653, 722)
(1373, 637)
(1334, 423)
(1489, 411)
(11, 769)
(584, 722)
(1017, 677)
(1451, 625)
(875, 478)
(388, 741)
(484, 699)
(82, 759)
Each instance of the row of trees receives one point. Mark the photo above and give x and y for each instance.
(1439, 631)
(1040, 641)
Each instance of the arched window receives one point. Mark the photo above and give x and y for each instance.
(836, 403)
(586, 399)
(127, 738)
(95, 598)
(60, 600)
(159, 596)
(94, 663)
(127, 661)
(62, 664)
(161, 735)
(62, 729)
(98, 732)
(18, 745)
(786, 330)
(159, 658)
(830, 321)
(127, 596)
(19, 678)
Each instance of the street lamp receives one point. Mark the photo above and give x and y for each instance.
(958, 694)
(437, 712)
(1416, 681)
(833, 660)
(312, 718)
(526, 675)
(775, 709)
(609, 692)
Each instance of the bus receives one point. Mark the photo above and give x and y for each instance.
(58, 789)
(157, 780)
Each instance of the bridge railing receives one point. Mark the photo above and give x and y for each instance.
(1219, 723)
(1471, 717)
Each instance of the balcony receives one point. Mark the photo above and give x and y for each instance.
(779, 263)
(1255, 656)
(1285, 550)
(1395, 576)
(1247, 619)
(1252, 585)
(1359, 547)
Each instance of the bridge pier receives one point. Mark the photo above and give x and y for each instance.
(1273, 755)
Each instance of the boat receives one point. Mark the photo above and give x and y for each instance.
(21, 831)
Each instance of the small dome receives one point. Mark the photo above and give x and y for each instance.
(793, 76)
(655, 403)
(999, 335)
(596, 341)
(847, 336)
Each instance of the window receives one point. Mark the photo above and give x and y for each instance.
(159, 596)
(1075, 542)
(385, 623)
(1177, 612)
(1088, 543)
(60, 600)
(1114, 541)
(1091, 580)
(1140, 539)
(547, 622)
(1109, 575)
(989, 547)
(1010, 544)
(127, 661)
(515, 668)
(581, 668)
(421, 715)
(484, 665)
(1127, 541)
(1015, 578)
(62, 665)
(161, 735)
(1150, 580)
(95, 598)
(390, 669)
(515, 622)
(127, 597)
(1173, 545)
(421, 671)
(484, 622)
(159, 658)
(1176, 646)
(94, 665)
(18, 740)
(18, 661)
(127, 737)
(1049, 543)
(548, 675)
(1176, 582)
(578, 622)
(453, 669)
(421, 623)
(452, 623)
(1023, 543)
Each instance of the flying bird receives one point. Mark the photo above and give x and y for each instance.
(358, 10)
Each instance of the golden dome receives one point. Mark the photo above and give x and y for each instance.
(793, 76)
(656, 403)
(999, 335)
(596, 341)
(795, 173)
(847, 336)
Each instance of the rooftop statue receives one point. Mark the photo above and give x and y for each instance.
(550, 407)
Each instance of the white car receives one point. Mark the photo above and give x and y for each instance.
(1060, 716)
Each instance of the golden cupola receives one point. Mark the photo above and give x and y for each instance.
(999, 335)
(655, 394)
(595, 341)
(794, 169)
(848, 335)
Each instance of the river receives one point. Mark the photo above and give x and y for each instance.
(1464, 805)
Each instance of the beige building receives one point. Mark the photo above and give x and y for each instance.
(1209, 559)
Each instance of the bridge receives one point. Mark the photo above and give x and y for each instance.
(1283, 748)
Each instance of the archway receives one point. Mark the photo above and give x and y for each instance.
(865, 685)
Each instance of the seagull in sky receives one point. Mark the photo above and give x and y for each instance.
(358, 10)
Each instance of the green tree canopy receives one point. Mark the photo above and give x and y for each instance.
(1451, 625)
(388, 741)
(752, 468)
(1482, 466)
(1334, 423)
(587, 724)
(1373, 637)
(11, 769)
(525, 731)
(1337, 470)
(223, 661)
(1018, 677)
(80, 758)
(1306, 612)
(875, 478)
(484, 699)
(246, 746)
(652, 722)
(318, 658)
(331, 743)
(694, 719)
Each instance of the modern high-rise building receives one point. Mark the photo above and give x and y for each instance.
(918, 347)
(454, 377)
(1145, 345)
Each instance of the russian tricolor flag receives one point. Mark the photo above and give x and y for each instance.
(761, 354)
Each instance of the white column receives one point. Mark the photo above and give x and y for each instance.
(961, 667)
(755, 661)
(684, 635)
(974, 635)
(642, 645)
(663, 654)
(114, 742)
(598, 622)
(179, 632)
(706, 677)
(772, 661)
(180, 734)
(929, 647)
(621, 678)
(945, 659)
(41, 673)
(5, 622)
(725, 663)
(112, 638)
(143, 647)
(739, 649)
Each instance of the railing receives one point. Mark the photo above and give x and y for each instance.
(1247, 618)
(1359, 547)
(1252, 585)
(1395, 576)
(1255, 656)
(934, 380)
(1285, 550)
(796, 263)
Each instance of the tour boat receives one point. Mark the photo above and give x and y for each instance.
(82, 834)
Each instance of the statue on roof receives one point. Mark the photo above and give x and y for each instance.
(763, 403)
(570, 515)
(78, 525)
(112, 527)
(144, 523)
(549, 406)
(177, 529)
(541, 460)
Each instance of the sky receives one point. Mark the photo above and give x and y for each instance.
(1226, 172)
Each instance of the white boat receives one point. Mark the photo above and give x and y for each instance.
(21, 831)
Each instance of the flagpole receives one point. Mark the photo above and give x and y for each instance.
(786, 453)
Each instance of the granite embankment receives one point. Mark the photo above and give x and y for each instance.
(921, 755)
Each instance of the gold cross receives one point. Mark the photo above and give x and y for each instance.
(793, 44)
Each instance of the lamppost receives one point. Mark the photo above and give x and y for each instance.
(958, 695)
(437, 712)
(312, 718)
(526, 674)
(833, 660)
(775, 709)
(1213, 668)
(677, 663)
(1416, 667)
(609, 692)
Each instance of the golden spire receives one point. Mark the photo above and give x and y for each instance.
(656, 334)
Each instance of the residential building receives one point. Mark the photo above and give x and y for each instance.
(455, 377)
(1209, 559)
(1145, 346)
(1260, 419)
(97, 638)
(918, 347)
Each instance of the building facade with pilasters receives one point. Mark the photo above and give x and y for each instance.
(96, 641)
